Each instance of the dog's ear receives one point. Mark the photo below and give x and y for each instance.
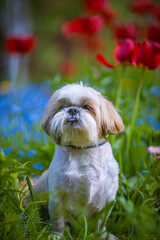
(49, 112)
(45, 123)
(111, 122)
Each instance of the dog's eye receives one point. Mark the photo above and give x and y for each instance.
(87, 107)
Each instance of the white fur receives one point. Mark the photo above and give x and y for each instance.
(82, 135)
(83, 175)
(74, 92)
(81, 182)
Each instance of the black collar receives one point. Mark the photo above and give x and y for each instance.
(91, 146)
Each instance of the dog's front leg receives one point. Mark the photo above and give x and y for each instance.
(57, 218)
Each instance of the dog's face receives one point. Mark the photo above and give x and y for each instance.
(80, 116)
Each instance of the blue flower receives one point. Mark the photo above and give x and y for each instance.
(21, 153)
(139, 121)
(38, 166)
(154, 122)
(31, 153)
(143, 143)
(23, 112)
(144, 171)
(8, 150)
(16, 109)
(155, 91)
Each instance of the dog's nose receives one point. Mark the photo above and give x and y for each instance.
(73, 111)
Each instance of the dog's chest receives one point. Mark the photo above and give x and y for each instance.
(78, 177)
(82, 182)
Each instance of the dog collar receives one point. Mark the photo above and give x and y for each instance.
(91, 146)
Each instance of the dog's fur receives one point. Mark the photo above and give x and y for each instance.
(83, 175)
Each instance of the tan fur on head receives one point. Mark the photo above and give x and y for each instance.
(111, 121)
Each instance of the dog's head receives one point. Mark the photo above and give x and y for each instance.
(80, 116)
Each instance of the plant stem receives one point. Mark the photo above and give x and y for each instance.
(120, 87)
(119, 93)
(135, 110)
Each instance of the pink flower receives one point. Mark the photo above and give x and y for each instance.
(153, 150)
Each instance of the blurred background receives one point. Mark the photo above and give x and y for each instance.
(46, 48)
(46, 44)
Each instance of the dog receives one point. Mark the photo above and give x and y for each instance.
(83, 175)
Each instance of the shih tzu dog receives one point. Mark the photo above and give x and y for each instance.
(83, 176)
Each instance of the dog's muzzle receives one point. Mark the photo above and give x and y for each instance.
(73, 114)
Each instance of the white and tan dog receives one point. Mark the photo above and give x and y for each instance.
(83, 175)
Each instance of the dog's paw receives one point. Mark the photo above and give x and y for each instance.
(106, 236)
(112, 237)
(54, 237)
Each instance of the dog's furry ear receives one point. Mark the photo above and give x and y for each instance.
(45, 123)
(49, 112)
(111, 120)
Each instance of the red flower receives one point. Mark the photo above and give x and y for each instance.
(96, 5)
(146, 55)
(83, 25)
(103, 8)
(142, 6)
(20, 43)
(153, 33)
(102, 60)
(127, 30)
(122, 54)
(156, 12)
(123, 51)
(109, 14)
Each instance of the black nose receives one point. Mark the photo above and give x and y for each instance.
(73, 111)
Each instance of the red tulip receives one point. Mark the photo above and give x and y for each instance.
(103, 8)
(83, 25)
(20, 43)
(104, 61)
(153, 33)
(127, 30)
(142, 6)
(109, 15)
(123, 51)
(156, 12)
(146, 55)
(95, 5)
